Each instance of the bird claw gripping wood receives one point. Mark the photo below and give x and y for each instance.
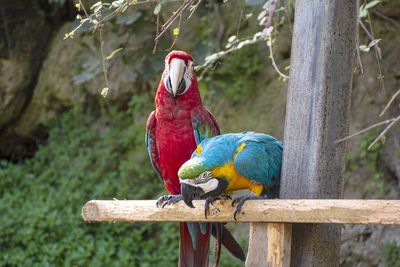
(168, 200)
(210, 201)
(241, 200)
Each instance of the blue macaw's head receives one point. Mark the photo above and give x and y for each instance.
(196, 176)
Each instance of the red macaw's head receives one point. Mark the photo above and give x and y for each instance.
(178, 73)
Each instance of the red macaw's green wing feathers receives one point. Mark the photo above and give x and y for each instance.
(151, 143)
(204, 124)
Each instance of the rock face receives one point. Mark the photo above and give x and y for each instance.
(41, 78)
(23, 46)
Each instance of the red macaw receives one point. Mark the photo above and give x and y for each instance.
(174, 129)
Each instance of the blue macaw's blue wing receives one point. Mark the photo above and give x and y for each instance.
(260, 159)
(216, 151)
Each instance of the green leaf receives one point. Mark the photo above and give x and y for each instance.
(97, 6)
(364, 48)
(373, 42)
(158, 7)
(373, 156)
(351, 155)
(364, 8)
(380, 185)
(104, 92)
(249, 15)
(376, 176)
(353, 166)
(372, 4)
(113, 53)
(117, 3)
(367, 187)
(363, 12)
(364, 143)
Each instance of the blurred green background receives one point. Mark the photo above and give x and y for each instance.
(62, 143)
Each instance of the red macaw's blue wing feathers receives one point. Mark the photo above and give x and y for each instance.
(204, 124)
(151, 143)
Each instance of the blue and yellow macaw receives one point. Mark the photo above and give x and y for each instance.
(230, 162)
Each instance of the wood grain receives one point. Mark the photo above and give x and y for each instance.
(279, 244)
(280, 211)
(317, 114)
(258, 245)
(271, 247)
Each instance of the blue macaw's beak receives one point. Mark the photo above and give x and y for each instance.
(189, 193)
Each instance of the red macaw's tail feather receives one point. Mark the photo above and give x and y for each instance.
(220, 232)
(194, 254)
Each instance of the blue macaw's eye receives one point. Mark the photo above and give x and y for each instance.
(204, 177)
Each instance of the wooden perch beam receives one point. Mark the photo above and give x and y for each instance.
(276, 211)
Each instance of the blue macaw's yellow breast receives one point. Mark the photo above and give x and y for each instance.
(236, 181)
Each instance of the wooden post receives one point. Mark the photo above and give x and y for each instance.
(269, 248)
(317, 114)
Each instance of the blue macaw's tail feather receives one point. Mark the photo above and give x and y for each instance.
(195, 241)
(193, 228)
(203, 227)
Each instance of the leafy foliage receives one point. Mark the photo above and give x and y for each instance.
(370, 159)
(391, 254)
(85, 158)
(237, 73)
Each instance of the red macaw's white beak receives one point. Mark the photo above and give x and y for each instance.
(177, 69)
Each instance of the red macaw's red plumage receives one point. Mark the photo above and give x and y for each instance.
(173, 132)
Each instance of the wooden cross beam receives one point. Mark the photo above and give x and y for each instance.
(343, 211)
(266, 248)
